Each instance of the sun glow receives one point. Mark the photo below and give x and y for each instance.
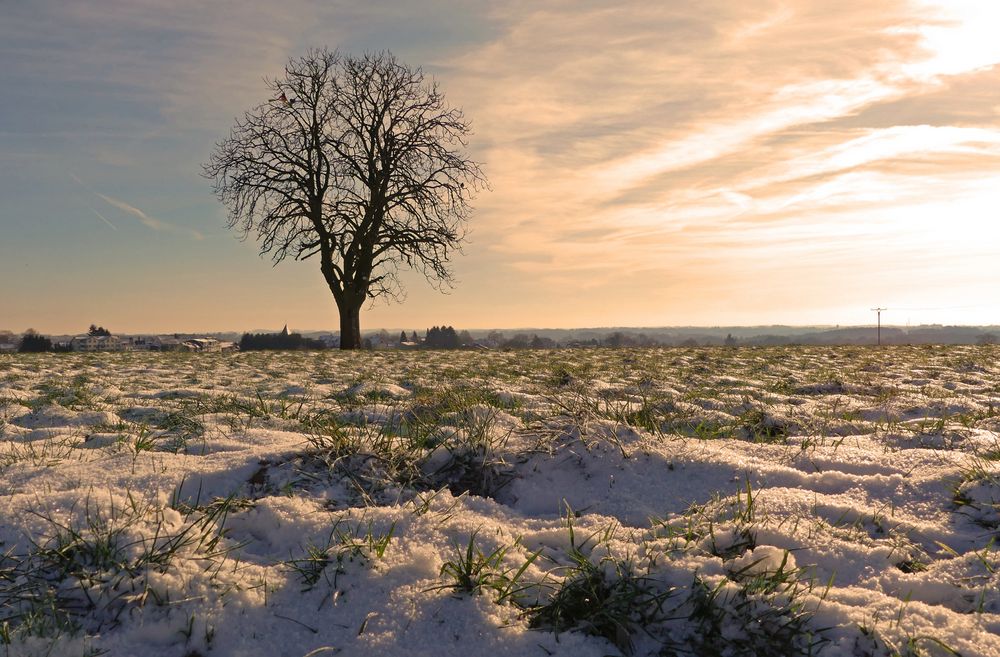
(963, 38)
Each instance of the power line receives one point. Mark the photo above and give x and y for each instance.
(942, 308)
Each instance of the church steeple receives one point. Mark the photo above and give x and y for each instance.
(284, 331)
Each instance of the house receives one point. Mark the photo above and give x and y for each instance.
(98, 343)
(209, 345)
(144, 342)
(161, 343)
(83, 343)
(202, 345)
(8, 342)
(383, 340)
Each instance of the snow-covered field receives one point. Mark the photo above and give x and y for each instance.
(828, 501)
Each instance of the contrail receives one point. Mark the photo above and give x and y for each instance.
(104, 219)
(150, 222)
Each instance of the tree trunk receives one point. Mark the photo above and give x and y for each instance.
(350, 325)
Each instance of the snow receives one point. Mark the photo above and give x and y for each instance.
(309, 504)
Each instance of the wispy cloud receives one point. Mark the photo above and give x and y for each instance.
(150, 222)
(659, 120)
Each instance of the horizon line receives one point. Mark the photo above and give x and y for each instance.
(542, 328)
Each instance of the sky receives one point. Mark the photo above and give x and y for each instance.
(710, 162)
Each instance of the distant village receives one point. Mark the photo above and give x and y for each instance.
(108, 342)
(99, 339)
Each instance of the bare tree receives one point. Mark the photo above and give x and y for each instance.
(356, 160)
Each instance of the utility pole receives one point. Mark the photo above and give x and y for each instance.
(878, 312)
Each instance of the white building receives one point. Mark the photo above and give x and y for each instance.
(206, 345)
(99, 343)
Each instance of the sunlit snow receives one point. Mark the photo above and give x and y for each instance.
(747, 501)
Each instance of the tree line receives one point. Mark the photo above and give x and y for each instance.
(284, 341)
(443, 337)
(447, 337)
(32, 342)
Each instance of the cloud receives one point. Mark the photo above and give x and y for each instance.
(150, 222)
(655, 137)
